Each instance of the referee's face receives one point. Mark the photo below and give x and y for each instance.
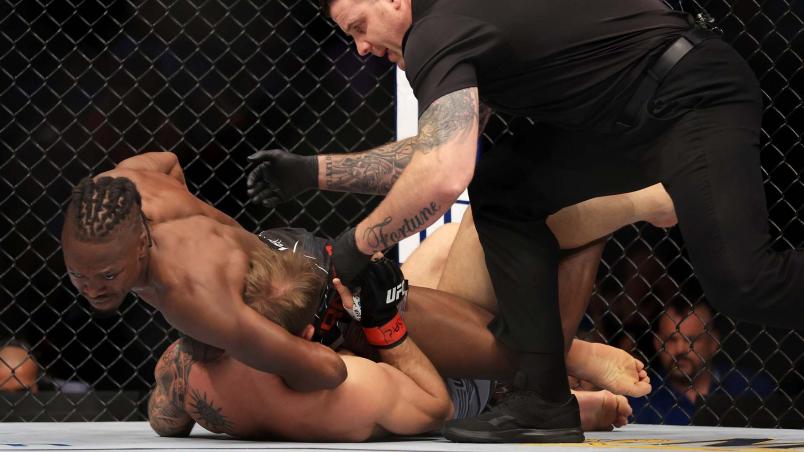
(377, 26)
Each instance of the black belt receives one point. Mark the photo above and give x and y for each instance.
(659, 70)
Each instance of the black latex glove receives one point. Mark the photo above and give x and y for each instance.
(280, 176)
(347, 260)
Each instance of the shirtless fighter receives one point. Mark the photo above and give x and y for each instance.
(197, 300)
(403, 395)
(161, 275)
(192, 270)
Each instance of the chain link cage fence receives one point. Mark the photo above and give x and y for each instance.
(87, 84)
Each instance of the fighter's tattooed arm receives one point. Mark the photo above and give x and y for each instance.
(375, 171)
(166, 412)
(441, 165)
(208, 416)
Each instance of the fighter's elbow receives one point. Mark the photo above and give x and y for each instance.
(441, 409)
(334, 372)
(172, 425)
(171, 432)
(429, 418)
(325, 373)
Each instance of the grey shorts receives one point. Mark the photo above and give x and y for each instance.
(469, 397)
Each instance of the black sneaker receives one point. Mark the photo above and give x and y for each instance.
(521, 417)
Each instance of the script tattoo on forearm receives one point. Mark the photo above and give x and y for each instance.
(379, 238)
(375, 171)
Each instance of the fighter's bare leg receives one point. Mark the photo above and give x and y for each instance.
(573, 226)
(453, 334)
(577, 272)
(590, 220)
(465, 275)
(602, 410)
(620, 373)
(425, 265)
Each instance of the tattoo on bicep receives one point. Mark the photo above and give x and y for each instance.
(448, 117)
(379, 238)
(212, 418)
(166, 405)
(174, 373)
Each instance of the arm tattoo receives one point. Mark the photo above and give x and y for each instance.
(378, 238)
(448, 117)
(210, 417)
(375, 171)
(372, 172)
(166, 405)
(165, 418)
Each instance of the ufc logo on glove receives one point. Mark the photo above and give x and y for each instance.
(395, 293)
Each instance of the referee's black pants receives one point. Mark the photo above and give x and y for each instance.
(699, 135)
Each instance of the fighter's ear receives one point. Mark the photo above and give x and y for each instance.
(307, 332)
(143, 243)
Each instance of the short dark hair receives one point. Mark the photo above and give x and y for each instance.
(97, 207)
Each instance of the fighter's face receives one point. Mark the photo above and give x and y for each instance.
(104, 272)
(377, 26)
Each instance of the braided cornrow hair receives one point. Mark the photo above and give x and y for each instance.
(97, 207)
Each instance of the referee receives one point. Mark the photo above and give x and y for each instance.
(625, 93)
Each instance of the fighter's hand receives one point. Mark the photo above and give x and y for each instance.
(347, 260)
(376, 306)
(280, 176)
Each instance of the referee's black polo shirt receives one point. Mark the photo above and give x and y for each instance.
(563, 62)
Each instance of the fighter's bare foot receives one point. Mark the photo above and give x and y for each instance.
(608, 368)
(654, 205)
(602, 410)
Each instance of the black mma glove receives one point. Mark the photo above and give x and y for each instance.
(280, 176)
(347, 260)
(376, 305)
